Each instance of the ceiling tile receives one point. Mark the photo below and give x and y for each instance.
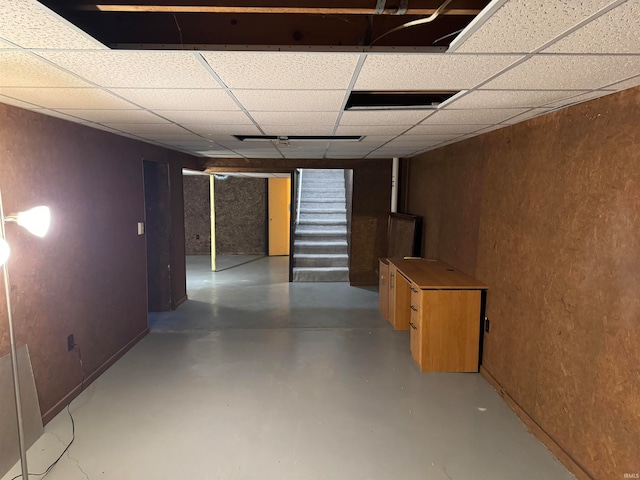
(510, 98)
(276, 71)
(426, 139)
(297, 129)
(429, 71)
(59, 98)
(616, 31)
(371, 130)
(17, 103)
(525, 25)
(482, 117)
(21, 69)
(632, 82)
(291, 100)
(222, 130)
(384, 117)
(179, 99)
(142, 128)
(206, 117)
(4, 45)
(534, 112)
(583, 72)
(32, 25)
(115, 116)
(180, 136)
(372, 140)
(129, 68)
(579, 98)
(295, 118)
(427, 128)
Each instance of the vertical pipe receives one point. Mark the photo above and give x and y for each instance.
(394, 184)
(212, 199)
(14, 356)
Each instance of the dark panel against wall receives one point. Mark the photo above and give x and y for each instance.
(556, 238)
(88, 276)
(197, 214)
(240, 212)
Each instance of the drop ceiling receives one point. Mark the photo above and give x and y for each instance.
(515, 60)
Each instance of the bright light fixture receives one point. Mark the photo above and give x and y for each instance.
(4, 251)
(36, 220)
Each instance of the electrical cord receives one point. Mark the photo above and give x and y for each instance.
(73, 428)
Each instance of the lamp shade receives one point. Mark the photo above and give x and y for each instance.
(36, 220)
(4, 251)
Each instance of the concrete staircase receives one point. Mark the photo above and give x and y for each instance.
(320, 241)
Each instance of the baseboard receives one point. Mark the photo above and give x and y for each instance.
(572, 465)
(180, 302)
(68, 398)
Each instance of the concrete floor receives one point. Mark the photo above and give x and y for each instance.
(256, 378)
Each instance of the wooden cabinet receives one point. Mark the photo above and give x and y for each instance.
(383, 286)
(442, 307)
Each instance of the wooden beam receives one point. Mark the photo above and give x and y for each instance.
(267, 10)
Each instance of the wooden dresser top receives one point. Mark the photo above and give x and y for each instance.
(433, 274)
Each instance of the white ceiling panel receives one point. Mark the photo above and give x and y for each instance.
(21, 69)
(17, 103)
(579, 98)
(291, 100)
(295, 118)
(142, 128)
(206, 117)
(427, 128)
(427, 139)
(179, 99)
(222, 130)
(510, 98)
(525, 25)
(429, 71)
(114, 116)
(4, 45)
(617, 31)
(277, 71)
(31, 25)
(384, 117)
(632, 82)
(372, 140)
(180, 136)
(582, 72)
(481, 117)
(129, 68)
(371, 129)
(534, 112)
(60, 98)
(297, 129)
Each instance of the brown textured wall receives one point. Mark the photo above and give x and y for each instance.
(197, 214)
(370, 203)
(241, 215)
(88, 276)
(547, 213)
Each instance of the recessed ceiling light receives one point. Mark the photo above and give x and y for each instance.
(299, 138)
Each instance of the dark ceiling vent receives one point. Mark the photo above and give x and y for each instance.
(299, 138)
(390, 100)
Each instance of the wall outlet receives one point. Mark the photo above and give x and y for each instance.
(70, 342)
(140, 228)
(487, 324)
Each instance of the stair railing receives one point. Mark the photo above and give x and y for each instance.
(299, 195)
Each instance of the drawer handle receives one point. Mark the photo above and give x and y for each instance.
(413, 326)
(414, 290)
(414, 308)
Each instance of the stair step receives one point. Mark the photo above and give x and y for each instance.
(326, 246)
(335, 218)
(321, 237)
(326, 210)
(320, 260)
(314, 274)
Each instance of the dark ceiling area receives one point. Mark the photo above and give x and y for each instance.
(298, 25)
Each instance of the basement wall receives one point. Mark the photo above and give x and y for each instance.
(547, 214)
(88, 276)
(197, 214)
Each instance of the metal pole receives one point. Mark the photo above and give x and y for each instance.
(14, 357)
